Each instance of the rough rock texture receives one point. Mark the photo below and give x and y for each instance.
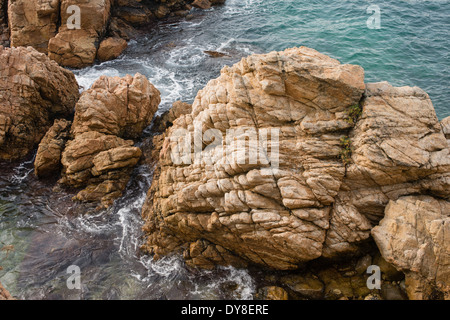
(398, 149)
(318, 191)
(414, 237)
(277, 218)
(48, 157)
(111, 48)
(33, 91)
(77, 48)
(33, 22)
(4, 294)
(98, 157)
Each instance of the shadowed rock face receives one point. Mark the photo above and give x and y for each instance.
(298, 201)
(33, 91)
(414, 237)
(4, 29)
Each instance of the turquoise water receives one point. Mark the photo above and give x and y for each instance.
(48, 232)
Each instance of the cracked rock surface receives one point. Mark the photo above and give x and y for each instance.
(299, 200)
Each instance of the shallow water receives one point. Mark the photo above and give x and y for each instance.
(47, 229)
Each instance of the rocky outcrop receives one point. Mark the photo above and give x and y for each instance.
(33, 91)
(288, 157)
(398, 148)
(100, 155)
(414, 237)
(77, 48)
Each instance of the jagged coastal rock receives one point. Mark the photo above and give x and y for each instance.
(335, 153)
(414, 237)
(101, 154)
(50, 26)
(33, 91)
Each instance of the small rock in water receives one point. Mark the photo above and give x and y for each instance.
(216, 54)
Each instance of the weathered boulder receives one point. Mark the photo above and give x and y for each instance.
(33, 22)
(77, 48)
(48, 157)
(118, 106)
(398, 148)
(98, 158)
(33, 91)
(111, 48)
(288, 157)
(277, 217)
(414, 237)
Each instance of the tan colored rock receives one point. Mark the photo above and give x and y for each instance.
(74, 48)
(77, 48)
(118, 106)
(48, 157)
(278, 218)
(111, 48)
(33, 91)
(33, 22)
(413, 236)
(98, 158)
(314, 186)
(398, 148)
(99, 163)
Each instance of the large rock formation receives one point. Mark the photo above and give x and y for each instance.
(98, 157)
(414, 237)
(33, 91)
(314, 158)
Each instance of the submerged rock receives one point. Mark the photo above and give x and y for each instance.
(33, 91)
(330, 155)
